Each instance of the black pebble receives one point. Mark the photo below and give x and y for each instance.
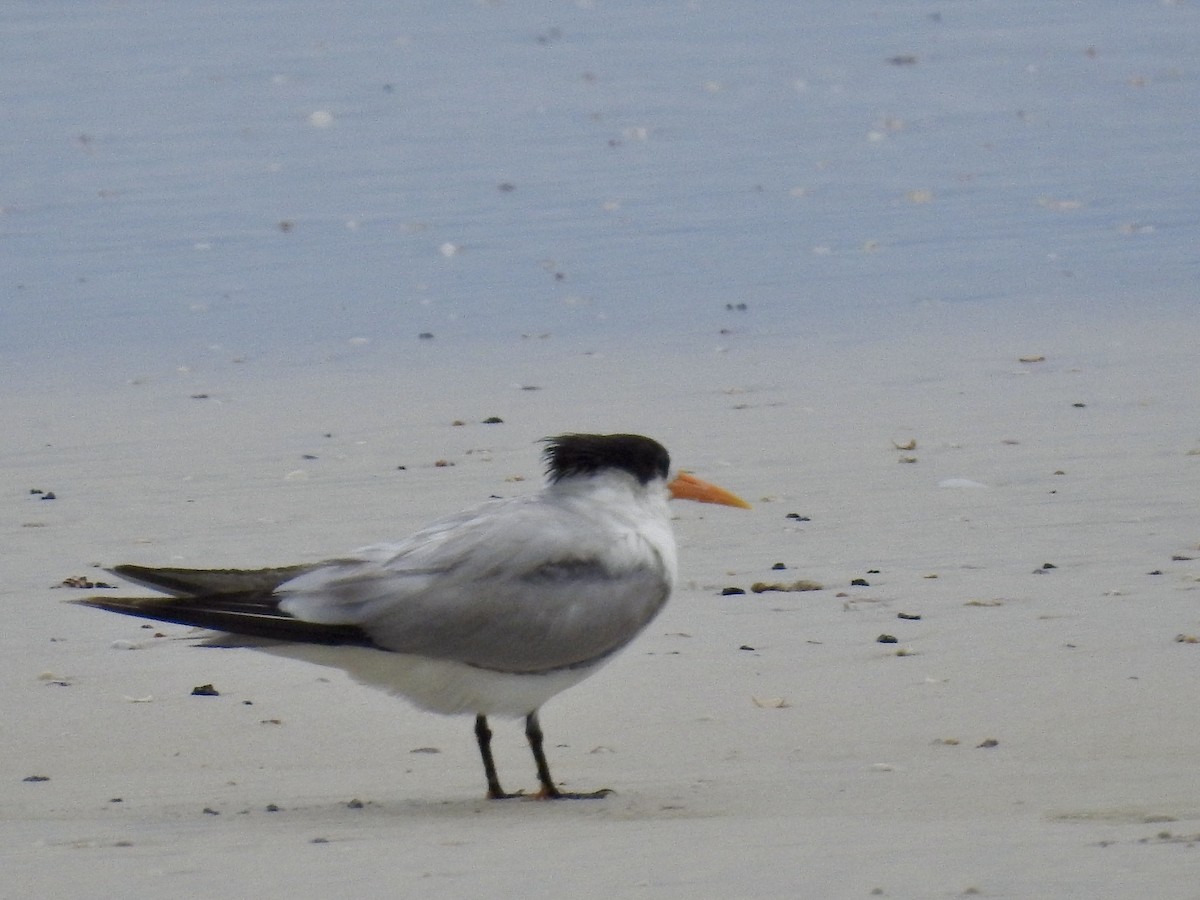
(860, 582)
(731, 591)
(798, 517)
(205, 690)
(778, 566)
(886, 639)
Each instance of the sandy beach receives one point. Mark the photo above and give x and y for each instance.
(917, 280)
(1031, 731)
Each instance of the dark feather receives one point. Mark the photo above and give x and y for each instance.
(254, 614)
(587, 454)
(197, 582)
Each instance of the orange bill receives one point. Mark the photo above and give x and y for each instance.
(687, 486)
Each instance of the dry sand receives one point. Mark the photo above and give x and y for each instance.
(1033, 734)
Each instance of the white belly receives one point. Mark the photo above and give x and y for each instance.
(440, 686)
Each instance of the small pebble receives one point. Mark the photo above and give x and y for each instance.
(205, 690)
(731, 591)
(887, 639)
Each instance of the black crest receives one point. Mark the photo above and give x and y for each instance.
(586, 454)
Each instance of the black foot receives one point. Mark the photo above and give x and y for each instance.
(505, 795)
(556, 794)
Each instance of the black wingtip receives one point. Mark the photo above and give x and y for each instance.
(250, 614)
(199, 582)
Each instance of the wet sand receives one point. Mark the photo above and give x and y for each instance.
(1025, 531)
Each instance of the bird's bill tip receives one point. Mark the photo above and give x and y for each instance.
(687, 486)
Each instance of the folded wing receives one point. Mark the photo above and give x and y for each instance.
(515, 586)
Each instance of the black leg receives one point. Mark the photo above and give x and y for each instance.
(548, 790)
(533, 731)
(483, 735)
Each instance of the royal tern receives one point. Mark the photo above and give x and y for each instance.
(491, 611)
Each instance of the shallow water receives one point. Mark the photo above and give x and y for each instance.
(280, 181)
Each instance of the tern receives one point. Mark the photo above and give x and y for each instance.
(490, 612)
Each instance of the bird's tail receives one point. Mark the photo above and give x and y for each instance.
(252, 614)
(235, 601)
(208, 582)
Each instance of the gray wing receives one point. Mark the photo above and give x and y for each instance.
(519, 585)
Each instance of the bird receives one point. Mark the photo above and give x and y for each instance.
(490, 611)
